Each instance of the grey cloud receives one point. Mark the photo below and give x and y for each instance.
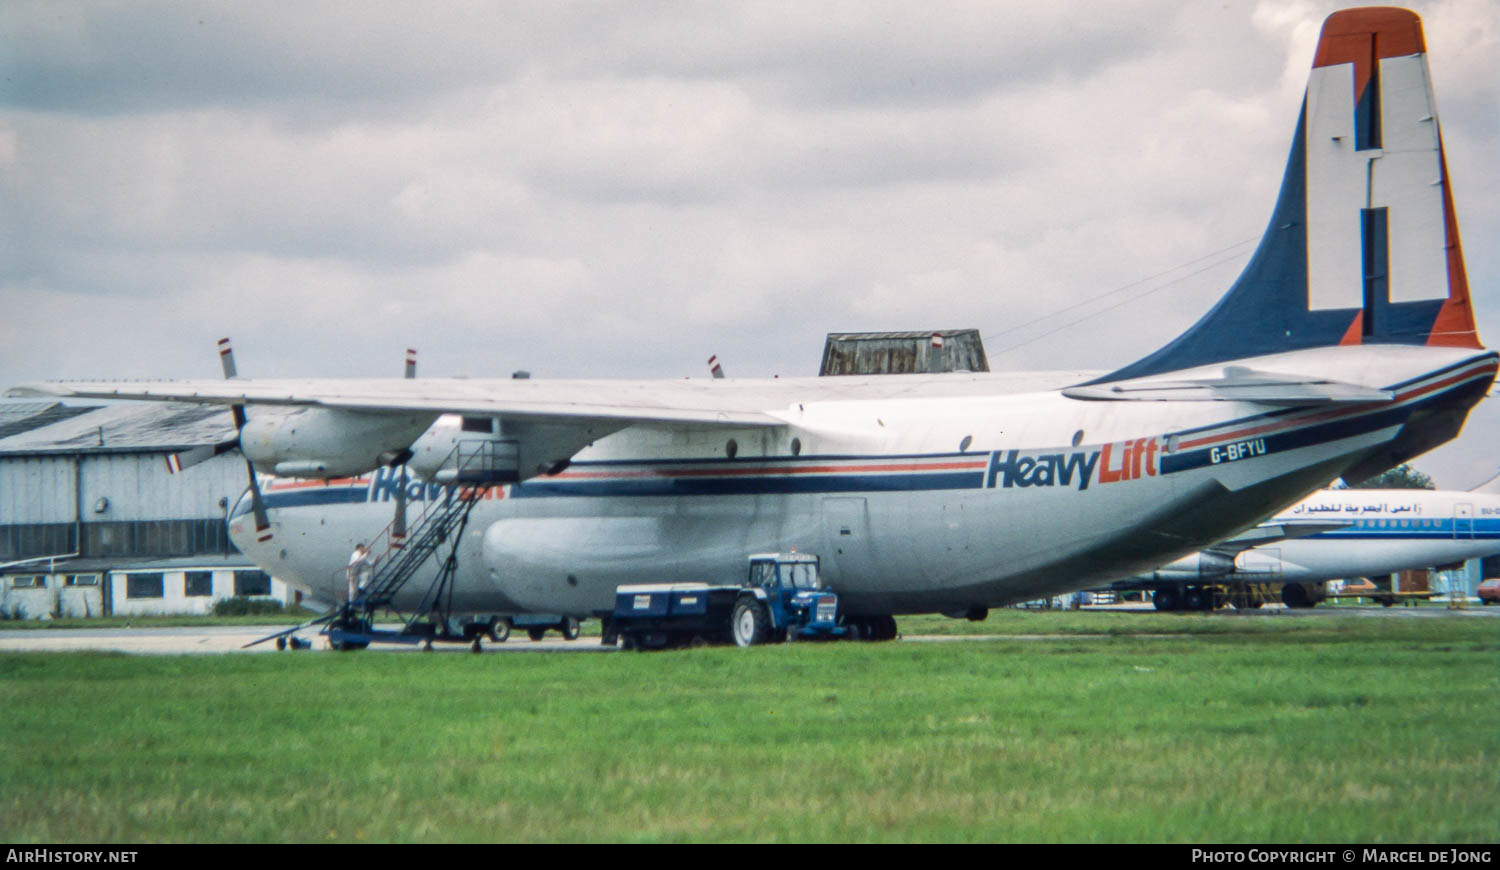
(324, 61)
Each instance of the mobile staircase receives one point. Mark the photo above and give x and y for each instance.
(469, 473)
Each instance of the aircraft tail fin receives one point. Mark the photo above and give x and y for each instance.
(1363, 245)
(1489, 485)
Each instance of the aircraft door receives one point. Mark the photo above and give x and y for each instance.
(846, 539)
(1463, 520)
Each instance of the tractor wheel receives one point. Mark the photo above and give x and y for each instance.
(749, 624)
(500, 630)
(570, 629)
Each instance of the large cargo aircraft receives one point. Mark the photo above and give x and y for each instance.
(1346, 346)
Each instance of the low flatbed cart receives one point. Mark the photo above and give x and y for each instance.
(782, 597)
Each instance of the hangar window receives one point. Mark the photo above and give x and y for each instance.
(252, 583)
(144, 585)
(82, 580)
(198, 584)
(28, 581)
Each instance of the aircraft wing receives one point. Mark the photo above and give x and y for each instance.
(620, 403)
(1277, 530)
(1235, 384)
(547, 421)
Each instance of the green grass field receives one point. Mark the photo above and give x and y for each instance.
(1158, 728)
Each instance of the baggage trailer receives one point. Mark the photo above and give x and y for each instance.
(661, 615)
(782, 597)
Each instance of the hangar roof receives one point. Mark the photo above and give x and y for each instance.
(18, 417)
(52, 427)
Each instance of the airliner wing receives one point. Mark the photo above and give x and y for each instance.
(1276, 530)
(610, 402)
(1235, 384)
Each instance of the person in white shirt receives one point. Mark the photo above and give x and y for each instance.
(360, 565)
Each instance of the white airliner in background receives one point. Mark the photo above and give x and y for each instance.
(1346, 346)
(1340, 533)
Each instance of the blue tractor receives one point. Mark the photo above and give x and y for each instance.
(784, 597)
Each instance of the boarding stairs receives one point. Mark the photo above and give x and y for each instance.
(440, 519)
(469, 474)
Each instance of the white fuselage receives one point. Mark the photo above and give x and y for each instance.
(945, 494)
(1387, 531)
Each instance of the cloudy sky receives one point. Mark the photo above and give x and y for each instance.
(588, 189)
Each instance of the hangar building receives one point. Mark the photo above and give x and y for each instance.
(93, 523)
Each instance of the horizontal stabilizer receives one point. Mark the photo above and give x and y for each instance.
(1271, 532)
(1236, 384)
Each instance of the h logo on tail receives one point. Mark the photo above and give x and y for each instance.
(1363, 247)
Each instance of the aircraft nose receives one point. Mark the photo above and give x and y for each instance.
(241, 524)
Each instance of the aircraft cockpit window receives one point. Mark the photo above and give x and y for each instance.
(477, 424)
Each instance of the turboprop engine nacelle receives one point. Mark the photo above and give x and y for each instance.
(329, 442)
(1198, 566)
(471, 443)
(468, 449)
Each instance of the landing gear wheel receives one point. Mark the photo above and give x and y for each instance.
(281, 642)
(1194, 600)
(884, 628)
(570, 629)
(1165, 599)
(500, 630)
(1294, 595)
(749, 623)
(476, 646)
(536, 633)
